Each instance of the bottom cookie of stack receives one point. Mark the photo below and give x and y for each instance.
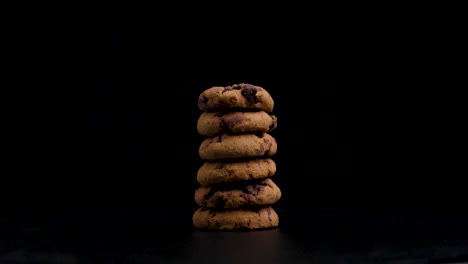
(235, 219)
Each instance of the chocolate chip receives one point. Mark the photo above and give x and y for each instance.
(220, 202)
(219, 165)
(269, 214)
(251, 189)
(231, 122)
(226, 89)
(260, 187)
(245, 196)
(221, 104)
(210, 193)
(249, 92)
(259, 134)
(202, 100)
(248, 189)
(274, 123)
(268, 149)
(268, 152)
(218, 139)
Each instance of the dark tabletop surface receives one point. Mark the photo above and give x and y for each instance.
(320, 236)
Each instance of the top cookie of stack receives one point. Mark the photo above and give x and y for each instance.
(241, 96)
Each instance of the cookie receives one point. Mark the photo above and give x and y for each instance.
(240, 96)
(214, 123)
(218, 172)
(226, 146)
(237, 219)
(239, 194)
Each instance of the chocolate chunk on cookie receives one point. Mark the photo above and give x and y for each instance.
(218, 172)
(239, 194)
(230, 146)
(240, 96)
(214, 123)
(235, 219)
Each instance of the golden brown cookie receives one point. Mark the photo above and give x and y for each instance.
(235, 219)
(238, 96)
(216, 172)
(227, 146)
(214, 123)
(239, 194)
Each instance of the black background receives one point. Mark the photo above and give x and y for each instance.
(114, 148)
(120, 129)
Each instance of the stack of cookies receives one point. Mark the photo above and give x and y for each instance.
(236, 188)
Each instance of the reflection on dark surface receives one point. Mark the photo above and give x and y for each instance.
(241, 247)
(266, 246)
(319, 236)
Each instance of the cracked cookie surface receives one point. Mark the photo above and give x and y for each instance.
(238, 96)
(229, 146)
(214, 123)
(239, 194)
(216, 172)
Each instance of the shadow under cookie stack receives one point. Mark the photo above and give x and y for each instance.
(236, 191)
